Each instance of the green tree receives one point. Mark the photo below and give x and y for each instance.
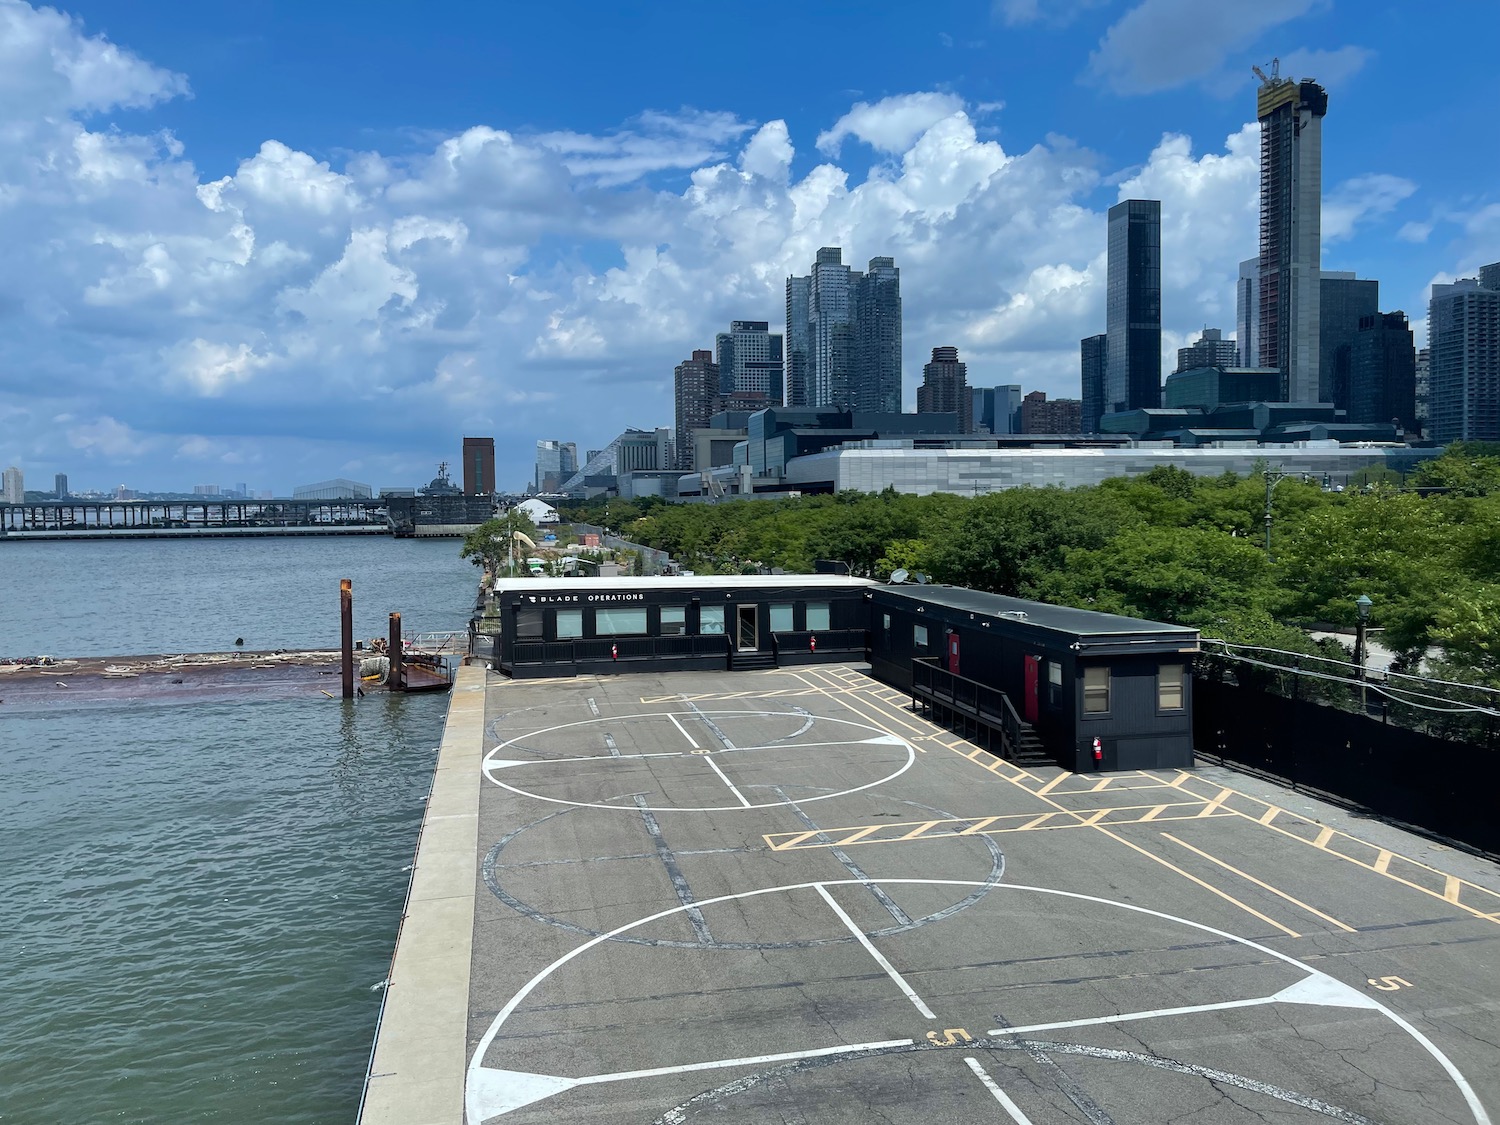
(492, 544)
(1008, 542)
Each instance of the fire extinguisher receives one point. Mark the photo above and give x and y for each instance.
(812, 644)
(1098, 752)
(614, 654)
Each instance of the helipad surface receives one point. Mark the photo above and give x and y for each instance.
(782, 897)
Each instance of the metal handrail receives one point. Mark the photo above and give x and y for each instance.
(829, 640)
(989, 705)
(618, 648)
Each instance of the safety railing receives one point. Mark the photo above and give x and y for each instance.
(988, 707)
(829, 641)
(618, 648)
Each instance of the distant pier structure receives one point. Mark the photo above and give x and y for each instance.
(201, 516)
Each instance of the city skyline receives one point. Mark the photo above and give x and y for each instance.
(341, 273)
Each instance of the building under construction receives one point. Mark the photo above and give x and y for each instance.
(1291, 188)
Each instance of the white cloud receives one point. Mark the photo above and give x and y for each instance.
(1360, 200)
(48, 65)
(1055, 12)
(769, 152)
(891, 124)
(377, 307)
(109, 439)
(1162, 44)
(209, 369)
(1331, 69)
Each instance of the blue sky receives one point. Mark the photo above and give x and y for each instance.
(274, 243)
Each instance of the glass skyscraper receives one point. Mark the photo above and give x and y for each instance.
(1132, 374)
(1343, 301)
(798, 341)
(1463, 337)
(877, 313)
(1092, 352)
(847, 325)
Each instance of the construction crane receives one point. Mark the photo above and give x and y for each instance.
(1275, 72)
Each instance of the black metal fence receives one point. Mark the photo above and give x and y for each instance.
(1444, 786)
(621, 648)
(832, 644)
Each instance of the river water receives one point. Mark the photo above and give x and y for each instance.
(201, 899)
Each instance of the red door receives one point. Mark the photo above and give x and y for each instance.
(1033, 664)
(953, 653)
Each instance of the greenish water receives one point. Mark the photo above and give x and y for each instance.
(200, 899)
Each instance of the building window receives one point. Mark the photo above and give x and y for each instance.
(711, 621)
(919, 635)
(620, 622)
(1054, 684)
(673, 620)
(569, 623)
(1095, 691)
(781, 618)
(817, 616)
(529, 625)
(1169, 687)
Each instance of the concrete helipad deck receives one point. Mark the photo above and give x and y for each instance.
(783, 897)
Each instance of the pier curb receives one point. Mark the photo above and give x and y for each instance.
(417, 1068)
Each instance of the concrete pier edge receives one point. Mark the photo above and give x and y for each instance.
(417, 1068)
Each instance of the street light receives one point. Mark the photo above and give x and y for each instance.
(1362, 604)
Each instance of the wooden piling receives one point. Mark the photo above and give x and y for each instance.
(346, 635)
(396, 680)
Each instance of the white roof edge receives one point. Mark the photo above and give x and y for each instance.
(658, 582)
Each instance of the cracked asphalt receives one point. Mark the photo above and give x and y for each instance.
(784, 897)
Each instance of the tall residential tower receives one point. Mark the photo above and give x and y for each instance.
(696, 383)
(749, 358)
(1463, 345)
(1132, 372)
(1291, 196)
(945, 389)
(843, 335)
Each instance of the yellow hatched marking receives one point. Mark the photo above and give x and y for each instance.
(1262, 885)
(1035, 821)
(1219, 799)
(815, 679)
(1382, 862)
(979, 826)
(919, 829)
(1207, 886)
(895, 832)
(1451, 887)
(793, 842)
(1103, 781)
(1473, 890)
(1053, 784)
(1271, 813)
(1323, 837)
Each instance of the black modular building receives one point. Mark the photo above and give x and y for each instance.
(1010, 673)
(571, 626)
(1006, 665)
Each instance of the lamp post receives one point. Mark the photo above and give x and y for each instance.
(1273, 478)
(1362, 604)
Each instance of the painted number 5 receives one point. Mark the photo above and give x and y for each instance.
(1388, 984)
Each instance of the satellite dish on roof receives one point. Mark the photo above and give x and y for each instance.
(898, 576)
(922, 579)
